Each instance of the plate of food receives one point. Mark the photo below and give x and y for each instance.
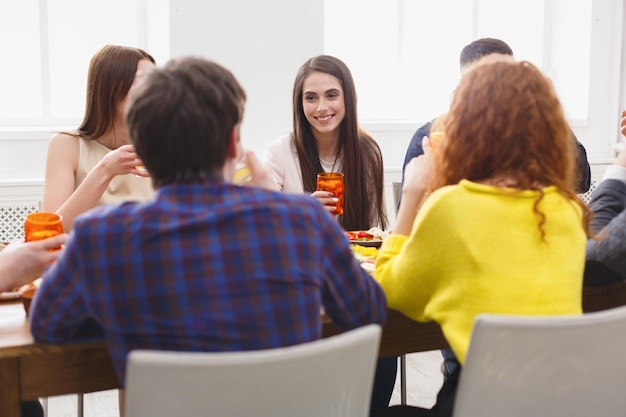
(372, 237)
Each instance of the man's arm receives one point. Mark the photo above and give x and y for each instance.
(415, 146)
(58, 313)
(606, 257)
(415, 149)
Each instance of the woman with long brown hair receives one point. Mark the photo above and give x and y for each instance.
(489, 220)
(89, 166)
(327, 137)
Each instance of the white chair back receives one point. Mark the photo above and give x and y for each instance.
(545, 366)
(328, 377)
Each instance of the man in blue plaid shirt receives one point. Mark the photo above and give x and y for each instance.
(205, 265)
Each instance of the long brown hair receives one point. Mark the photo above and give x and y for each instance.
(506, 121)
(362, 162)
(111, 74)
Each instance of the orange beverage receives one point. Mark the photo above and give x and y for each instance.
(42, 225)
(243, 175)
(435, 139)
(333, 182)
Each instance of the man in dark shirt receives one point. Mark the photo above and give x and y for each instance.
(497, 50)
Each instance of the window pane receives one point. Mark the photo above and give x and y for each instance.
(20, 83)
(434, 34)
(74, 22)
(570, 55)
(364, 34)
(519, 23)
(404, 54)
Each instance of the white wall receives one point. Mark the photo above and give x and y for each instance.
(262, 42)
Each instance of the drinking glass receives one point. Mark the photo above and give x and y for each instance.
(38, 226)
(42, 225)
(435, 139)
(243, 175)
(333, 182)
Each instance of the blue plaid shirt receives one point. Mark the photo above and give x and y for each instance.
(204, 267)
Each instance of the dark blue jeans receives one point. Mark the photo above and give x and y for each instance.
(442, 408)
(384, 381)
(31, 409)
(450, 361)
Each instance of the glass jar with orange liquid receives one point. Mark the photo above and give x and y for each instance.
(332, 182)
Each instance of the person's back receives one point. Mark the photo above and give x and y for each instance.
(205, 265)
(211, 267)
(479, 253)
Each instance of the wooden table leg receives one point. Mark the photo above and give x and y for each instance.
(10, 387)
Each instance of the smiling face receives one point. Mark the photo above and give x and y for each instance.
(323, 102)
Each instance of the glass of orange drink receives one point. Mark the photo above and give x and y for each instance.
(42, 225)
(333, 182)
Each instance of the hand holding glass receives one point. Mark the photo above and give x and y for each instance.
(332, 182)
(39, 226)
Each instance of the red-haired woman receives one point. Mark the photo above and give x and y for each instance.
(489, 222)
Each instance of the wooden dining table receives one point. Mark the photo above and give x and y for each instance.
(30, 370)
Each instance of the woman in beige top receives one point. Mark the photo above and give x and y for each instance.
(96, 164)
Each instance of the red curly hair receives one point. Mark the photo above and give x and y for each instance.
(506, 123)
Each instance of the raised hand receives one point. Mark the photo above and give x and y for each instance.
(123, 160)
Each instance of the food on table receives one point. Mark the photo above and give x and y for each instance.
(364, 254)
(374, 233)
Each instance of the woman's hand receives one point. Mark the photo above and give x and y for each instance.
(623, 123)
(327, 199)
(123, 160)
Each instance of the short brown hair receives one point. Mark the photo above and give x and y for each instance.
(180, 118)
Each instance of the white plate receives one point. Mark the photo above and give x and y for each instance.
(374, 243)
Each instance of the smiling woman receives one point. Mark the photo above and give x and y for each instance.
(327, 137)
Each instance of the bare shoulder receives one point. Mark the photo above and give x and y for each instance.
(63, 142)
(63, 149)
(64, 139)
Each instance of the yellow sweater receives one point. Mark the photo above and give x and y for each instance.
(478, 249)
